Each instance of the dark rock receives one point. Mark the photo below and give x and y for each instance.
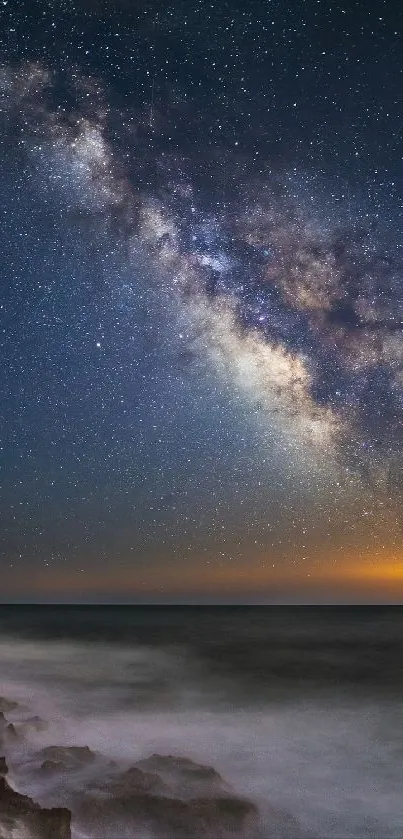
(177, 819)
(66, 758)
(25, 817)
(3, 728)
(185, 777)
(173, 797)
(183, 765)
(52, 823)
(7, 705)
(11, 733)
(135, 782)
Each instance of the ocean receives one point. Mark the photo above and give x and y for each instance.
(299, 709)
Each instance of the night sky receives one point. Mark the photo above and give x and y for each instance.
(201, 314)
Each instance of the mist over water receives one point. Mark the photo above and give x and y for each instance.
(299, 709)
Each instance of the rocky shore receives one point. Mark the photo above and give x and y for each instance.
(20, 816)
(84, 793)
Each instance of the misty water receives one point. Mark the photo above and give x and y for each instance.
(300, 708)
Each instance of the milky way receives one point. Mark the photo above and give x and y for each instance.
(306, 312)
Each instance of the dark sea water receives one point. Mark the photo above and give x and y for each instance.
(300, 708)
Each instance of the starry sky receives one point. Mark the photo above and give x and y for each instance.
(201, 312)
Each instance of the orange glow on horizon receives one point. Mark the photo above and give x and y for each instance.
(366, 575)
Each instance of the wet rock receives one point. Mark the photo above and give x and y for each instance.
(66, 758)
(174, 797)
(224, 818)
(185, 777)
(8, 732)
(20, 816)
(7, 705)
(11, 734)
(52, 823)
(134, 782)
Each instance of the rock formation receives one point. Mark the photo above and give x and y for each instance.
(7, 705)
(21, 816)
(172, 817)
(185, 777)
(170, 796)
(11, 733)
(180, 800)
(65, 758)
(135, 782)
